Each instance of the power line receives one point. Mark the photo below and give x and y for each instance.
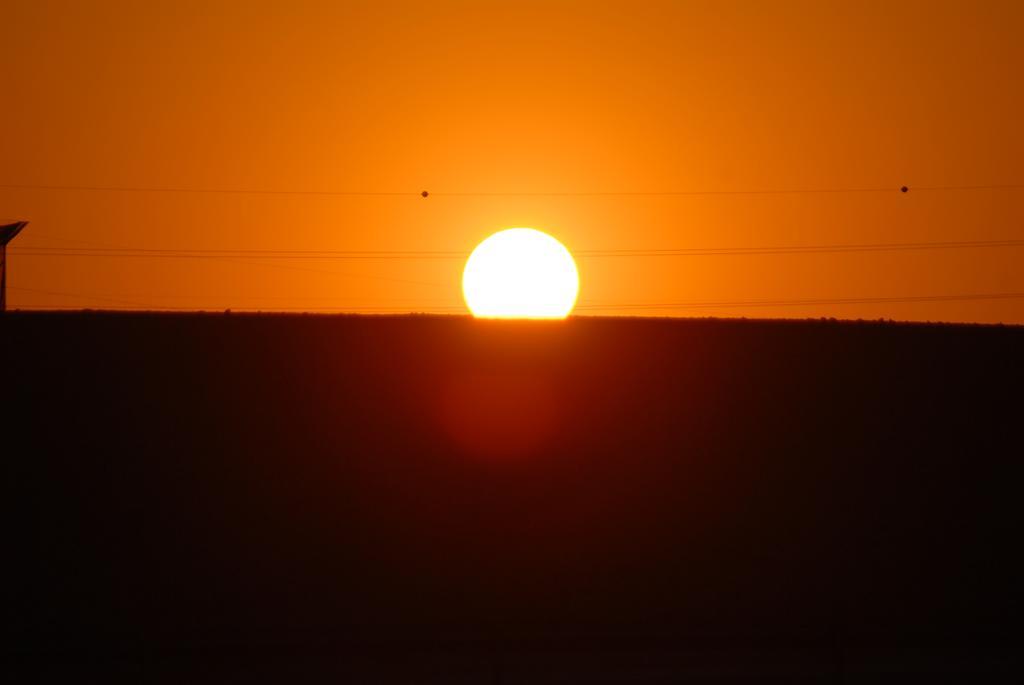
(135, 305)
(188, 296)
(254, 261)
(765, 191)
(807, 302)
(237, 253)
(243, 261)
(803, 249)
(582, 307)
(438, 309)
(425, 194)
(202, 191)
(240, 254)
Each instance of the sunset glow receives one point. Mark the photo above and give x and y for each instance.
(520, 273)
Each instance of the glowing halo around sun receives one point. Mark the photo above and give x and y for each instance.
(520, 273)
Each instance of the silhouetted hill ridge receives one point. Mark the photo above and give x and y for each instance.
(196, 479)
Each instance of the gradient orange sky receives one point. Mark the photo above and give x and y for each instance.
(516, 97)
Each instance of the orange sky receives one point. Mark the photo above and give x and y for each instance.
(530, 97)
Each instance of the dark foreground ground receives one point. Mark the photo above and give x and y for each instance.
(388, 500)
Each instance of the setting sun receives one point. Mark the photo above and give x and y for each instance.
(520, 273)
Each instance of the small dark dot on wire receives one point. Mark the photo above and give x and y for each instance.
(904, 189)
(424, 193)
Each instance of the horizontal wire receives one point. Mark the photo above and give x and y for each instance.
(244, 261)
(253, 308)
(808, 302)
(232, 254)
(208, 296)
(586, 307)
(204, 191)
(765, 191)
(799, 249)
(134, 305)
(448, 254)
(425, 194)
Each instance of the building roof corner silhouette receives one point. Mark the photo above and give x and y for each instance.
(7, 233)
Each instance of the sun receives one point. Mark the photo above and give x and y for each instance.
(520, 273)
